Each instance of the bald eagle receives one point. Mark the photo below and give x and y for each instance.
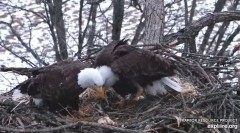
(128, 69)
(55, 85)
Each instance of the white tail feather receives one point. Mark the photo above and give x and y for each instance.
(160, 88)
(38, 101)
(17, 95)
(157, 88)
(171, 84)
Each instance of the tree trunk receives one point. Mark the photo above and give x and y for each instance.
(118, 12)
(50, 20)
(189, 46)
(60, 28)
(92, 27)
(80, 35)
(154, 14)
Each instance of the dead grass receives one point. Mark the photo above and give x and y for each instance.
(168, 113)
(206, 100)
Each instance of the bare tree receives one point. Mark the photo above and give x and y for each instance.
(56, 23)
(218, 7)
(80, 34)
(158, 24)
(92, 27)
(154, 15)
(118, 12)
(204, 43)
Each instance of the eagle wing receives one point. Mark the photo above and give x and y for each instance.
(126, 60)
(135, 67)
(141, 64)
(56, 83)
(106, 56)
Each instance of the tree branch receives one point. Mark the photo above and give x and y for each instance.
(193, 29)
(35, 55)
(82, 123)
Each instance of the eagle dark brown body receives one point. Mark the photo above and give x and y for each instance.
(56, 84)
(134, 67)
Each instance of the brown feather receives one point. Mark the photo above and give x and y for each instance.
(56, 84)
(140, 64)
(133, 64)
(104, 56)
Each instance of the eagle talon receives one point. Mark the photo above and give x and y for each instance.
(137, 98)
(124, 68)
(139, 93)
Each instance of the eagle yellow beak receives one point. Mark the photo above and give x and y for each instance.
(101, 92)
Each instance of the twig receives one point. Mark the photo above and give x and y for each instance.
(83, 123)
(217, 93)
(206, 101)
(205, 74)
(160, 116)
(191, 128)
(110, 127)
(152, 108)
(174, 129)
(20, 122)
(17, 105)
(37, 130)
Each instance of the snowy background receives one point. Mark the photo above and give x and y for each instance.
(39, 38)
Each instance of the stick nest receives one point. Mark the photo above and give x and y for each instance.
(206, 99)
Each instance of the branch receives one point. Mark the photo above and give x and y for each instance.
(138, 31)
(59, 128)
(38, 14)
(218, 7)
(103, 13)
(82, 34)
(228, 41)
(18, 56)
(14, 32)
(191, 31)
(37, 130)
(21, 71)
(49, 19)
(112, 128)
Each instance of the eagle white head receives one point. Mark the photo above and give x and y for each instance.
(97, 78)
(90, 77)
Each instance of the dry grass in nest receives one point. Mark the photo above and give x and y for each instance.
(152, 114)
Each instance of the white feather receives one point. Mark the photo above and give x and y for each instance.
(90, 77)
(108, 76)
(158, 86)
(101, 76)
(150, 90)
(38, 101)
(171, 84)
(17, 95)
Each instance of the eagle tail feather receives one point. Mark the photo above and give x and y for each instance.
(20, 90)
(17, 94)
(157, 88)
(172, 84)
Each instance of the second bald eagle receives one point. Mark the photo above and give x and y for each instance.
(129, 70)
